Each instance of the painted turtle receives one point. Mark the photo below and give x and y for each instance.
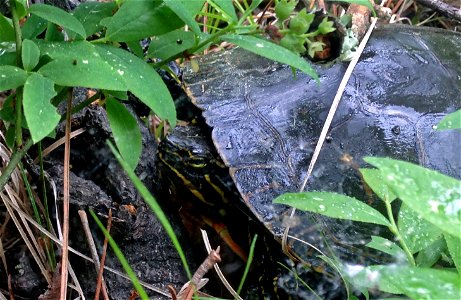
(265, 122)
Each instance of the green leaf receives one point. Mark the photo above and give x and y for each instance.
(333, 205)
(375, 181)
(170, 44)
(30, 54)
(79, 64)
(121, 95)
(415, 282)
(434, 196)
(454, 247)
(365, 3)
(6, 30)
(126, 132)
(136, 48)
(451, 121)
(271, 51)
(183, 13)
(228, 9)
(53, 33)
(90, 72)
(91, 13)
(386, 246)
(428, 256)
(7, 111)
(136, 20)
(41, 116)
(136, 73)
(11, 77)
(58, 16)
(33, 27)
(416, 231)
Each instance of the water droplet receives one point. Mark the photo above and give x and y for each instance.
(259, 45)
(85, 61)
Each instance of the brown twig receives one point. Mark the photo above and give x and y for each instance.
(66, 180)
(442, 8)
(103, 260)
(193, 285)
(92, 246)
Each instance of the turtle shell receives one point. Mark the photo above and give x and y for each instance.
(265, 122)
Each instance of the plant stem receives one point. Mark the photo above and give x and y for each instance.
(395, 230)
(18, 119)
(18, 103)
(17, 31)
(14, 160)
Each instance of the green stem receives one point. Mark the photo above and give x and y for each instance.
(14, 160)
(18, 104)
(18, 119)
(395, 230)
(17, 31)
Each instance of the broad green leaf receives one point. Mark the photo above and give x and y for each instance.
(451, 121)
(171, 43)
(416, 231)
(33, 27)
(386, 246)
(21, 6)
(8, 58)
(6, 30)
(30, 54)
(41, 116)
(136, 73)
(53, 33)
(7, 111)
(126, 132)
(434, 196)
(333, 205)
(365, 3)
(428, 256)
(136, 48)
(79, 64)
(424, 283)
(121, 95)
(415, 282)
(136, 20)
(58, 16)
(228, 8)
(91, 13)
(11, 77)
(375, 181)
(272, 51)
(454, 247)
(183, 13)
(193, 7)
(90, 72)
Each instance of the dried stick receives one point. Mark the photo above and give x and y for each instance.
(442, 8)
(103, 260)
(91, 244)
(65, 221)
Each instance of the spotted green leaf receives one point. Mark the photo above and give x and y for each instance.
(454, 247)
(374, 180)
(91, 13)
(11, 77)
(434, 196)
(58, 16)
(451, 121)
(272, 51)
(386, 246)
(183, 13)
(171, 43)
(333, 205)
(142, 80)
(416, 231)
(40, 114)
(30, 54)
(126, 132)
